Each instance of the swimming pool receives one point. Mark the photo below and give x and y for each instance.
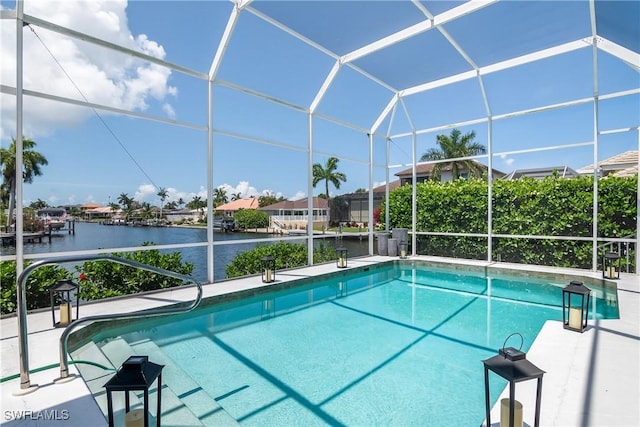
(398, 344)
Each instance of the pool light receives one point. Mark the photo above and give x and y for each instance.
(268, 269)
(61, 293)
(342, 257)
(575, 313)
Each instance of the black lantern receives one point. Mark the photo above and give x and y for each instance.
(135, 374)
(610, 267)
(403, 249)
(513, 366)
(61, 296)
(575, 306)
(342, 257)
(268, 269)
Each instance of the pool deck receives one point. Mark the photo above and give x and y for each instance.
(592, 378)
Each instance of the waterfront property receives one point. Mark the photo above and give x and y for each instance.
(375, 85)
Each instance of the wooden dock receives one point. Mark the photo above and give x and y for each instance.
(9, 239)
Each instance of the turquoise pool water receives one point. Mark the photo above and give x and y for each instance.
(393, 346)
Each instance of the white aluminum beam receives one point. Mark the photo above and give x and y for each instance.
(28, 19)
(325, 86)
(12, 91)
(385, 112)
(499, 66)
(627, 56)
(385, 42)
(224, 42)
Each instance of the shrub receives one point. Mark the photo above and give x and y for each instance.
(37, 285)
(97, 279)
(287, 255)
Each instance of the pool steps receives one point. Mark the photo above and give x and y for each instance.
(194, 409)
(205, 408)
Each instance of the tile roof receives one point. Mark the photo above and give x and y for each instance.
(249, 203)
(621, 161)
(426, 168)
(318, 202)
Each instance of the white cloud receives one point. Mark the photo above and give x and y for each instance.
(103, 76)
(299, 195)
(145, 193)
(507, 160)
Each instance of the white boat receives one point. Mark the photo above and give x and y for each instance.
(54, 218)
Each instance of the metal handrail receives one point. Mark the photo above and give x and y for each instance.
(626, 241)
(64, 365)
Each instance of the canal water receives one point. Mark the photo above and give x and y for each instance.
(90, 236)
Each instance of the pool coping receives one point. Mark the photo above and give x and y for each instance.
(592, 378)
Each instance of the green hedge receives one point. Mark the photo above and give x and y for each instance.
(553, 206)
(287, 255)
(97, 279)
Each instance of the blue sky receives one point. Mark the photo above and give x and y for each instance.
(94, 157)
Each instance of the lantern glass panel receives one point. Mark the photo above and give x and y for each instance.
(575, 306)
(62, 295)
(268, 269)
(342, 257)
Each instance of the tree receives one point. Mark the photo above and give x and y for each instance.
(38, 204)
(127, 205)
(251, 218)
(220, 196)
(197, 203)
(32, 161)
(163, 194)
(236, 196)
(268, 199)
(454, 146)
(124, 200)
(114, 208)
(328, 174)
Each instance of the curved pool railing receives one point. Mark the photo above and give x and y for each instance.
(25, 382)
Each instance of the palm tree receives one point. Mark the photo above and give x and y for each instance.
(236, 196)
(31, 163)
(163, 194)
(454, 146)
(219, 196)
(328, 174)
(124, 200)
(197, 203)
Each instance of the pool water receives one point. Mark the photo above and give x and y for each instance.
(394, 346)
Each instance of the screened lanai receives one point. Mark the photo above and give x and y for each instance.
(197, 95)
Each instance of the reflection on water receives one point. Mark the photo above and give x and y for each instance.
(91, 236)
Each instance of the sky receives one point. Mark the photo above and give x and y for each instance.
(260, 146)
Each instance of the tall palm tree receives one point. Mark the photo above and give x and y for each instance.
(220, 196)
(328, 174)
(163, 194)
(32, 161)
(236, 196)
(124, 200)
(455, 146)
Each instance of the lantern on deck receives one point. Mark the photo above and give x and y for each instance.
(403, 249)
(268, 269)
(342, 257)
(137, 373)
(575, 306)
(610, 267)
(61, 297)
